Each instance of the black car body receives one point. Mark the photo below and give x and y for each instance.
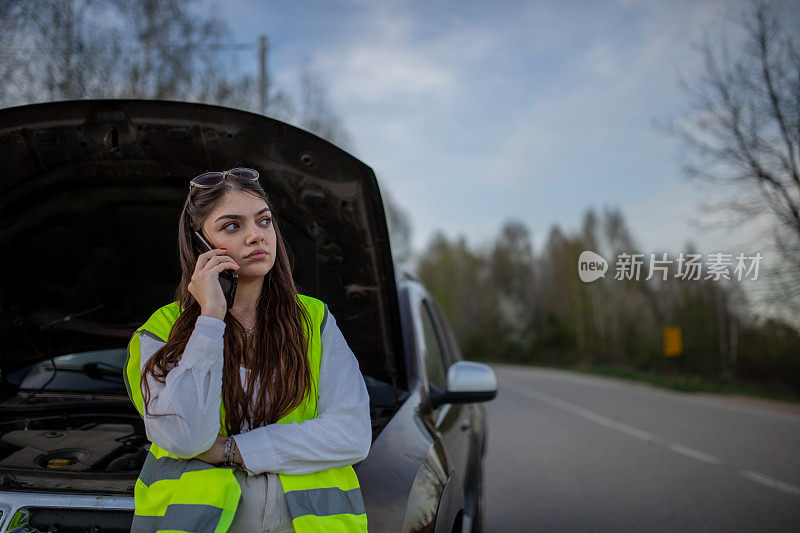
(90, 197)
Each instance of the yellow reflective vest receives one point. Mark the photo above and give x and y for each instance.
(174, 494)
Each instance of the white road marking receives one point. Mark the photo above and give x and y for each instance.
(694, 454)
(580, 411)
(770, 482)
(646, 436)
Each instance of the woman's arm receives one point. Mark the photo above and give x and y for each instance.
(340, 435)
(191, 394)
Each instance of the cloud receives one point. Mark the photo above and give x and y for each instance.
(376, 74)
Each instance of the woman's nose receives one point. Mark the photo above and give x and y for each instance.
(255, 234)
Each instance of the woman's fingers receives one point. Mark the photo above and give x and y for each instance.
(224, 265)
(218, 259)
(205, 257)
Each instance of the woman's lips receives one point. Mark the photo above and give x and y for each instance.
(256, 256)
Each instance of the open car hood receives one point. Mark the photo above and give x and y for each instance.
(90, 196)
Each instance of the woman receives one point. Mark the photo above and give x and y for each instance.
(268, 387)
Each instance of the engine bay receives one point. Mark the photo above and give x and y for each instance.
(61, 443)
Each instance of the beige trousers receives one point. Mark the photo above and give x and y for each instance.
(262, 507)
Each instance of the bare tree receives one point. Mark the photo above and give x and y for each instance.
(745, 128)
(159, 49)
(49, 52)
(114, 48)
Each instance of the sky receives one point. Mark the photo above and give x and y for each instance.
(473, 113)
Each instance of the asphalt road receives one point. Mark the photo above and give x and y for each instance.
(568, 452)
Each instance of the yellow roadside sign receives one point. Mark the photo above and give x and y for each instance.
(673, 345)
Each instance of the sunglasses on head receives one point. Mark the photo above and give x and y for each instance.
(212, 179)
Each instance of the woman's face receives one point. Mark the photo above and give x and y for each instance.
(242, 223)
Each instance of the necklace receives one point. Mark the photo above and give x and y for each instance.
(248, 330)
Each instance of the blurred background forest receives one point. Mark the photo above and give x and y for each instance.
(505, 302)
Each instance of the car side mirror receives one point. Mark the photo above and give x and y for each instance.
(467, 382)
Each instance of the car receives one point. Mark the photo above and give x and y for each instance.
(91, 193)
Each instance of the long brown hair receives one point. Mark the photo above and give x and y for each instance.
(280, 366)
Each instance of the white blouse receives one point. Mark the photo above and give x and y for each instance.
(340, 435)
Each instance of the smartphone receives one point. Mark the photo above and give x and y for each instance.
(227, 278)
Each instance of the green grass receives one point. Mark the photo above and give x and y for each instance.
(679, 382)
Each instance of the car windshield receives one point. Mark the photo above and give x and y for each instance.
(85, 371)
(101, 370)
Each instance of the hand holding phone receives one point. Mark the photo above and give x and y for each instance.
(209, 267)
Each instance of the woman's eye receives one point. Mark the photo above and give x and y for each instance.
(265, 222)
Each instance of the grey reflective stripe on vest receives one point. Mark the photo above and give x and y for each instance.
(168, 468)
(151, 335)
(180, 517)
(324, 502)
(324, 318)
